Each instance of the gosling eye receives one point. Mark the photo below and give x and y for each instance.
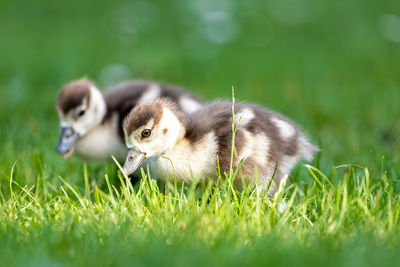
(146, 133)
(81, 113)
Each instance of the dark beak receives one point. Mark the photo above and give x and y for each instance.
(66, 144)
(134, 158)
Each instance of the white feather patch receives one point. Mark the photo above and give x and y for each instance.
(256, 147)
(244, 117)
(152, 92)
(189, 105)
(286, 129)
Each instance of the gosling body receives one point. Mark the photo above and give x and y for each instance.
(91, 120)
(187, 146)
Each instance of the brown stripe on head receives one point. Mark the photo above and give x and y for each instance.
(73, 94)
(141, 115)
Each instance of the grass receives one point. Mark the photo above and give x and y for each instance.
(352, 222)
(332, 67)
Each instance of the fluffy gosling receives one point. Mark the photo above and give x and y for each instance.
(91, 121)
(187, 145)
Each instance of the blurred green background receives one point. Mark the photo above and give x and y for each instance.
(332, 66)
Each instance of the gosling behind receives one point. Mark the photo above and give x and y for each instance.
(91, 121)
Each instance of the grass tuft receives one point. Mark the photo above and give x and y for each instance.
(328, 214)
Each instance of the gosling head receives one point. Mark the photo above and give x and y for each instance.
(150, 129)
(80, 107)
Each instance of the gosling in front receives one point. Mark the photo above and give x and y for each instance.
(186, 146)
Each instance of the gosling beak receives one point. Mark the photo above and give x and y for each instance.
(133, 160)
(66, 144)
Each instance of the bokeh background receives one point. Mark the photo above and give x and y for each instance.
(332, 66)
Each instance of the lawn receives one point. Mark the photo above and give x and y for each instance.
(333, 67)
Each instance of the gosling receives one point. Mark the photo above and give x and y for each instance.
(186, 146)
(91, 121)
